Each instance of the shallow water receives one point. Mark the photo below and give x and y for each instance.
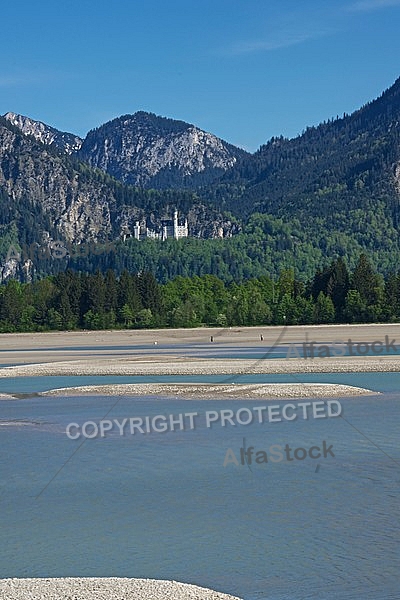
(379, 382)
(163, 505)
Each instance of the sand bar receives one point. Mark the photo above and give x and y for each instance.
(267, 391)
(99, 588)
(174, 365)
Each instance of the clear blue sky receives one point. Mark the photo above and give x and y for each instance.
(243, 69)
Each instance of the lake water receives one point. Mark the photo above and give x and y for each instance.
(163, 505)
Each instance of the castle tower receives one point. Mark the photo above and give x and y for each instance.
(176, 224)
(136, 231)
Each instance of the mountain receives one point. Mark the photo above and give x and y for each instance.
(155, 152)
(66, 142)
(40, 180)
(48, 196)
(143, 150)
(333, 191)
(341, 166)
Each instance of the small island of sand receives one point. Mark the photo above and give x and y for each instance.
(104, 588)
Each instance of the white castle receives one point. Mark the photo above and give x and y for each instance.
(170, 228)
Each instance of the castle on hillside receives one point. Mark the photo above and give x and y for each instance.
(170, 228)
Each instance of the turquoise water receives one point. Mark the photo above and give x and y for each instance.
(163, 505)
(379, 382)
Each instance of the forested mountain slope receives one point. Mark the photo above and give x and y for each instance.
(351, 163)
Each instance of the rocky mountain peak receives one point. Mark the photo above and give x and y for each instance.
(151, 151)
(66, 142)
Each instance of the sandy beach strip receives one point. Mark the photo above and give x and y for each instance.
(173, 365)
(104, 588)
(296, 334)
(63, 346)
(195, 391)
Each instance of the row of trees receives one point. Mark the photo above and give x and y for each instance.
(74, 300)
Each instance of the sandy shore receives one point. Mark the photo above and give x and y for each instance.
(174, 365)
(235, 335)
(266, 391)
(107, 588)
(27, 348)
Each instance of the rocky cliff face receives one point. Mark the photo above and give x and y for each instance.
(66, 142)
(38, 180)
(45, 195)
(150, 151)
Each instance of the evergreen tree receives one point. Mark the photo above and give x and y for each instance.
(366, 281)
(111, 291)
(324, 311)
(355, 309)
(128, 292)
(338, 285)
(149, 292)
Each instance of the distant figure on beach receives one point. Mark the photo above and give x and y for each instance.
(262, 338)
(212, 338)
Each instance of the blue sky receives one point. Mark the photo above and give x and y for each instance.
(245, 70)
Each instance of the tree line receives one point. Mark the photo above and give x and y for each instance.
(74, 300)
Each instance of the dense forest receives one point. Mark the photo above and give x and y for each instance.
(343, 164)
(265, 245)
(75, 300)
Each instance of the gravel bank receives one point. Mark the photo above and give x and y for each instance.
(107, 588)
(171, 365)
(265, 391)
